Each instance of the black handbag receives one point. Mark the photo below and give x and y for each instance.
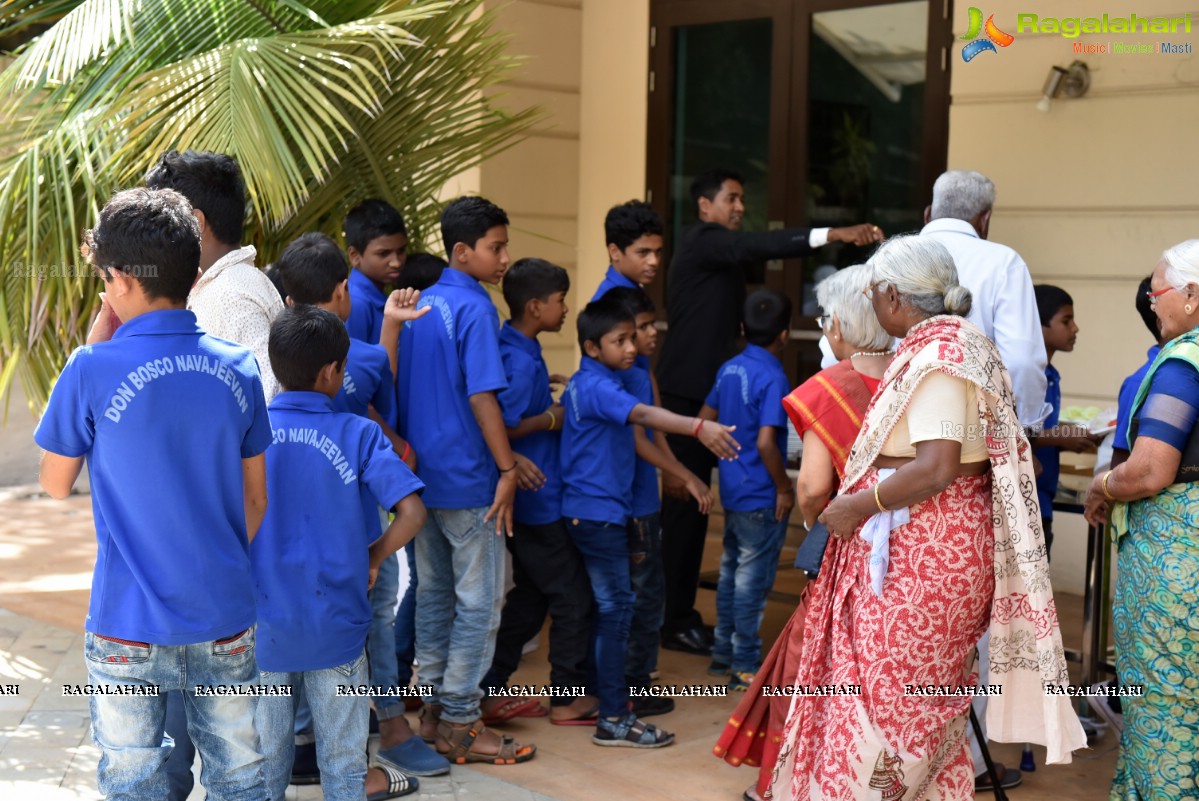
(811, 550)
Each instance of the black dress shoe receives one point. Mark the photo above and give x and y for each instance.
(646, 706)
(690, 641)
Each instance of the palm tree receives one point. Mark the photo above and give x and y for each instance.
(323, 102)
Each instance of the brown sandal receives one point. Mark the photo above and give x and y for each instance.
(459, 740)
(430, 718)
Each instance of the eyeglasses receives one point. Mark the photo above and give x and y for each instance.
(869, 291)
(1153, 296)
(822, 320)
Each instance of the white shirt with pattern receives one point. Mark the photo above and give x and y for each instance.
(234, 300)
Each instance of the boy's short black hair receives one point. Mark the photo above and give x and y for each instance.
(532, 279)
(420, 271)
(600, 317)
(467, 220)
(311, 267)
(635, 299)
(212, 183)
(370, 220)
(272, 272)
(152, 236)
(303, 340)
(707, 184)
(628, 222)
(767, 314)
(1050, 298)
(1145, 310)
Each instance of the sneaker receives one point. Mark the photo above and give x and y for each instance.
(645, 706)
(415, 757)
(739, 682)
(629, 732)
(1107, 707)
(718, 668)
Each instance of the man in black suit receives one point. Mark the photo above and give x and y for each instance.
(705, 292)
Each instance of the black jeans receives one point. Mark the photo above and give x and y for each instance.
(549, 577)
(684, 527)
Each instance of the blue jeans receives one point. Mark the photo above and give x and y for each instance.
(340, 724)
(752, 543)
(649, 585)
(460, 561)
(380, 641)
(129, 729)
(406, 622)
(179, 764)
(605, 550)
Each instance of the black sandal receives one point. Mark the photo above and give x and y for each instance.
(398, 784)
(630, 732)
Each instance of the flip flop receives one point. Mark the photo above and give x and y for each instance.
(397, 784)
(588, 718)
(516, 708)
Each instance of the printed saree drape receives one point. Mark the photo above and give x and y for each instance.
(972, 556)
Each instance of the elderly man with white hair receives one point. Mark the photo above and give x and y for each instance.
(998, 279)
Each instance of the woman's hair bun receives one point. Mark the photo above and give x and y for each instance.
(958, 300)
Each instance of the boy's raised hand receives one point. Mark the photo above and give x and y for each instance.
(401, 306)
(105, 324)
(718, 439)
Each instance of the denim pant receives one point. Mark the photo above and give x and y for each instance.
(179, 764)
(549, 578)
(380, 641)
(649, 585)
(405, 628)
(340, 724)
(460, 561)
(605, 549)
(752, 543)
(129, 729)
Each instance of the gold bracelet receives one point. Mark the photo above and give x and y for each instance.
(553, 420)
(1103, 485)
(877, 502)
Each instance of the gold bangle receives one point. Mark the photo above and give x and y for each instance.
(1103, 485)
(553, 420)
(877, 502)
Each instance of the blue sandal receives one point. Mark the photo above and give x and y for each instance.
(630, 732)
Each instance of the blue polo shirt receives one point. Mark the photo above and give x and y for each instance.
(1050, 457)
(646, 501)
(528, 395)
(748, 394)
(164, 414)
(327, 473)
(446, 356)
(367, 382)
(612, 279)
(366, 309)
(1128, 394)
(598, 452)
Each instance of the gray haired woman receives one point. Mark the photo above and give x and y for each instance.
(937, 533)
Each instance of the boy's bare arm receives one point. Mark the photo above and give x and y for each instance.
(58, 474)
(775, 464)
(410, 516)
(400, 445)
(549, 420)
(486, 410)
(253, 479)
(714, 436)
(668, 464)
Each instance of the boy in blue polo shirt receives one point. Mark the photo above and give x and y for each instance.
(598, 464)
(633, 232)
(377, 244)
(172, 601)
(314, 271)
(645, 529)
(318, 554)
(755, 491)
(547, 570)
(450, 370)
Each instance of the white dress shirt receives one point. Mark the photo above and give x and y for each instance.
(1004, 307)
(234, 300)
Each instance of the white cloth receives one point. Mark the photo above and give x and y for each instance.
(877, 532)
(1004, 307)
(234, 300)
(818, 237)
(827, 358)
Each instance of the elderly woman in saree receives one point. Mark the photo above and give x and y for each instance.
(827, 411)
(936, 536)
(1151, 500)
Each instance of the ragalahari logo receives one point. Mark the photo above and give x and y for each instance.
(993, 37)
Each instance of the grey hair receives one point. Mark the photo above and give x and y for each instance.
(1182, 264)
(962, 195)
(842, 294)
(922, 272)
